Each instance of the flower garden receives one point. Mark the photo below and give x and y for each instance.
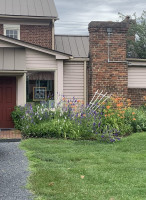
(112, 120)
(83, 159)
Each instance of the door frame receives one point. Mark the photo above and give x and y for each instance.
(20, 85)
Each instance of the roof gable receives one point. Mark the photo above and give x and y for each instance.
(9, 42)
(29, 8)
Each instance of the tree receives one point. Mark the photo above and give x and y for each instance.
(136, 37)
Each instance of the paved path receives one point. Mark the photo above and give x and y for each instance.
(13, 172)
(10, 134)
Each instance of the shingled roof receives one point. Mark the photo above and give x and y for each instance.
(78, 46)
(29, 8)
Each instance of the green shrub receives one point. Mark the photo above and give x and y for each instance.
(31, 115)
(17, 115)
(136, 117)
(57, 128)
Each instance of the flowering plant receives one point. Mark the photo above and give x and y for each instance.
(72, 119)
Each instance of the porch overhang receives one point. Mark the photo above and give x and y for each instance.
(12, 73)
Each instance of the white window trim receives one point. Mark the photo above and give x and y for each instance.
(12, 27)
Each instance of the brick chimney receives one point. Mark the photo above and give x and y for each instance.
(108, 70)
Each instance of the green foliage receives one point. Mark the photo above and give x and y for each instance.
(17, 115)
(136, 118)
(137, 29)
(55, 128)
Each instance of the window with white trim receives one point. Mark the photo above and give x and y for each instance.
(12, 31)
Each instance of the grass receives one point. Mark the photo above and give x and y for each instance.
(77, 170)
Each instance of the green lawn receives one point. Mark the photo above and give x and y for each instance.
(77, 170)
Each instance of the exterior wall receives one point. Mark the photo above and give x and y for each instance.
(108, 75)
(73, 83)
(12, 59)
(40, 61)
(37, 34)
(137, 84)
(1, 29)
(137, 96)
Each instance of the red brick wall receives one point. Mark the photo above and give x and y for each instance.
(1, 29)
(137, 96)
(37, 34)
(109, 77)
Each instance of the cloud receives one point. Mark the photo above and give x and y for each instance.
(76, 15)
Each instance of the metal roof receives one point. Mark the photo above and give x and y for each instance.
(29, 8)
(78, 46)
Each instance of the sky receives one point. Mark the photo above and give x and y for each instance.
(75, 15)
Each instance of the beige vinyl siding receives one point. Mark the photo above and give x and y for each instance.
(73, 80)
(6, 44)
(137, 77)
(12, 59)
(39, 61)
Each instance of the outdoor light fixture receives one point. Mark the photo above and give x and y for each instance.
(109, 30)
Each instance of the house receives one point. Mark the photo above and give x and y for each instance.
(36, 64)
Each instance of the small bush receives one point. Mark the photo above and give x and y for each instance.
(17, 116)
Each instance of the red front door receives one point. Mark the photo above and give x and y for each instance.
(7, 101)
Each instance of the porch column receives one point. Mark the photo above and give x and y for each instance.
(60, 78)
(21, 90)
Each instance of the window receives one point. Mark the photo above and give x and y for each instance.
(40, 87)
(12, 31)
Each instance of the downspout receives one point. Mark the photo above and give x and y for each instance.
(109, 31)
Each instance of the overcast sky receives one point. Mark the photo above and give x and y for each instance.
(75, 15)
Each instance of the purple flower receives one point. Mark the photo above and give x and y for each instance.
(94, 124)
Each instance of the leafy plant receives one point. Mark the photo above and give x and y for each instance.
(17, 115)
(136, 40)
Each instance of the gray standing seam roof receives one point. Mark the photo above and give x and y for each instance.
(78, 46)
(31, 8)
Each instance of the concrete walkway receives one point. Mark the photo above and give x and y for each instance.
(13, 172)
